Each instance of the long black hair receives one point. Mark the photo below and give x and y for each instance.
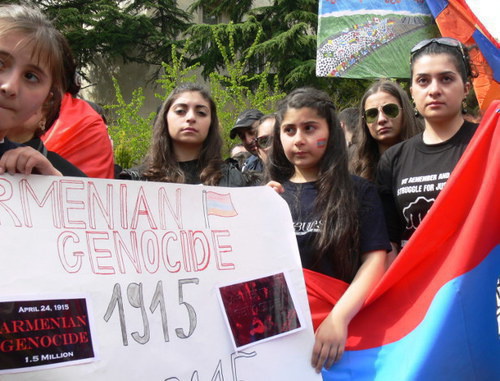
(336, 201)
(161, 164)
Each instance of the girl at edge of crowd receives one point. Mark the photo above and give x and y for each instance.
(30, 65)
(386, 118)
(29, 134)
(441, 76)
(337, 217)
(186, 144)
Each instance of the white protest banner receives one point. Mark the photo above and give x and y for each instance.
(118, 280)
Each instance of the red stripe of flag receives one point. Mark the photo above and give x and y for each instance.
(459, 231)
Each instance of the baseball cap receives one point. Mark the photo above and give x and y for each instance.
(245, 120)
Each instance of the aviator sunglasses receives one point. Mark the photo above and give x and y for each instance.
(446, 41)
(264, 141)
(391, 110)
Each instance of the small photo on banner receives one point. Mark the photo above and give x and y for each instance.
(44, 333)
(259, 310)
(370, 38)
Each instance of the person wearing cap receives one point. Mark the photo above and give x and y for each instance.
(245, 129)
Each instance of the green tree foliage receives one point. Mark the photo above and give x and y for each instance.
(234, 9)
(236, 90)
(176, 72)
(290, 40)
(287, 45)
(131, 30)
(232, 93)
(129, 131)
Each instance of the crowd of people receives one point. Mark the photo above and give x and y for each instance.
(347, 177)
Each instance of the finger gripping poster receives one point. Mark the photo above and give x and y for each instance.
(106, 279)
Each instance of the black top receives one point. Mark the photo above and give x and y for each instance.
(410, 176)
(62, 165)
(253, 163)
(191, 171)
(59, 163)
(8, 145)
(301, 197)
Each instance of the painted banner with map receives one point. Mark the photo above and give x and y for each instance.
(370, 38)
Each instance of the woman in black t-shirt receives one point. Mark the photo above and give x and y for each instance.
(412, 173)
(337, 217)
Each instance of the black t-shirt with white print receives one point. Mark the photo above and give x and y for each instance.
(300, 198)
(410, 176)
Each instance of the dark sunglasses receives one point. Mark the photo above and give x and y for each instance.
(391, 110)
(264, 142)
(446, 41)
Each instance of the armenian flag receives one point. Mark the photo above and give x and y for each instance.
(455, 19)
(434, 315)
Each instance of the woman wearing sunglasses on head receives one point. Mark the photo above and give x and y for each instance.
(412, 173)
(386, 118)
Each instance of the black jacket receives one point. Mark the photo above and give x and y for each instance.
(231, 176)
(59, 163)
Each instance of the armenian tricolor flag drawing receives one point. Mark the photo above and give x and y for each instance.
(218, 204)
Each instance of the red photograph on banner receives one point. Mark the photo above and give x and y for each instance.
(259, 309)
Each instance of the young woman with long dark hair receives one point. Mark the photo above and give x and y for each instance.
(186, 145)
(386, 118)
(337, 217)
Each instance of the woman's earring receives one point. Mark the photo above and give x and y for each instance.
(41, 124)
(464, 107)
(417, 114)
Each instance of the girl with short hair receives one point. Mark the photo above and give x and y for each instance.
(32, 81)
